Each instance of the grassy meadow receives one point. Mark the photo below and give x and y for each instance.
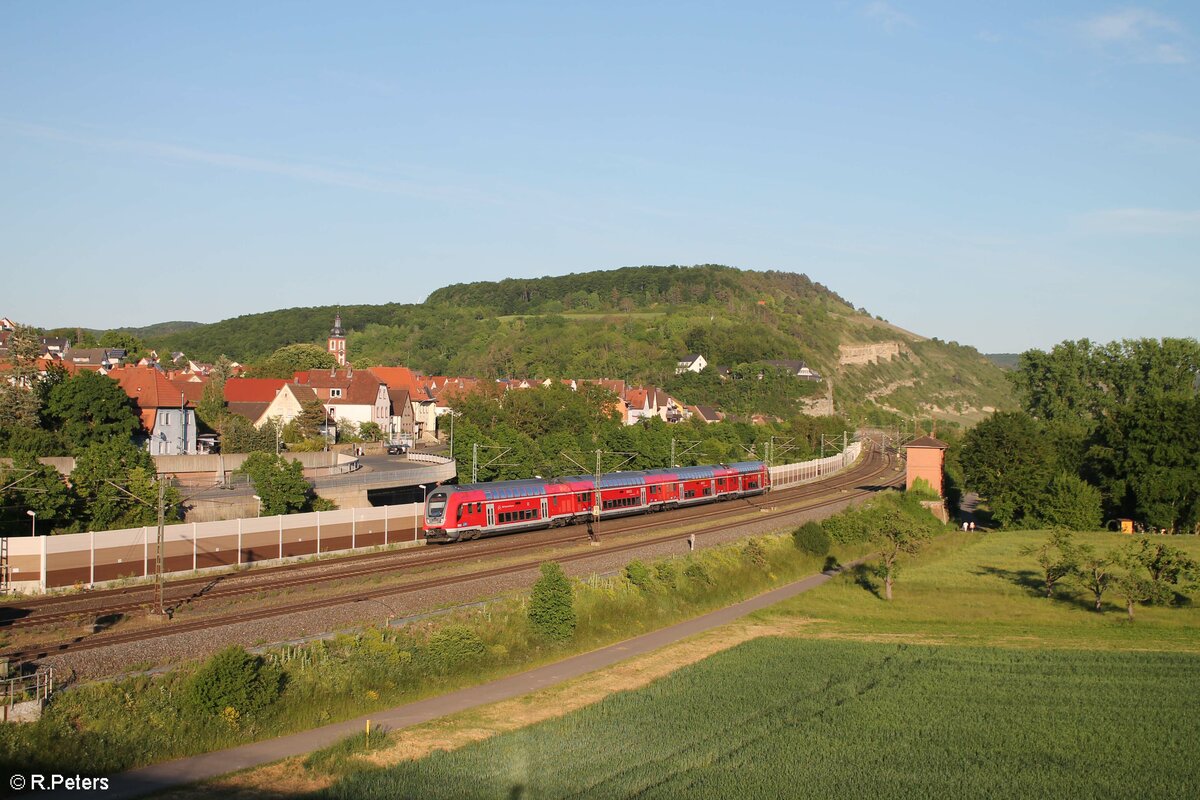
(969, 684)
(979, 589)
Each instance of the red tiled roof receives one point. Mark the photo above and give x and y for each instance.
(250, 410)
(359, 387)
(192, 390)
(401, 378)
(149, 388)
(252, 390)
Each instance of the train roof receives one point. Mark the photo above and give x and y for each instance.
(497, 490)
(530, 487)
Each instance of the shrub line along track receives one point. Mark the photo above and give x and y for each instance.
(872, 467)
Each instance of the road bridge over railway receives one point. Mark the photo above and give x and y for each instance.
(364, 481)
(387, 483)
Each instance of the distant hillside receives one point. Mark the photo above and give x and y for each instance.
(1004, 360)
(634, 324)
(161, 329)
(155, 331)
(631, 288)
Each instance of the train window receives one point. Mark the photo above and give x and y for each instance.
(689, 493)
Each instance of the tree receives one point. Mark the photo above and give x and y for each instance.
(117, 486)
(1096, 572)
(278, 481)
(896, 533)
(287, 361)
(211, 410)
(1008, 460)
(238, 435)
(1123, 416)
(1169, 568)
(89, 408)
(1071, 503)
(19, 398)
(552, 604)
(1057, 556)
(33, 486)
(135, 348)
(308, 424)
(1132, 584)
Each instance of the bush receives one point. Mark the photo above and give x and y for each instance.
(639, 575)
(551, 604)
(755, 554)
(454, 646)
(923, 490)
(696, 572)
(666, 574)
(234, 679)
(811, 538)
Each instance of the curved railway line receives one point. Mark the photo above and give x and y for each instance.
(114, 603)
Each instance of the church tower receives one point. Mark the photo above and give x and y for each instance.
(337, 341)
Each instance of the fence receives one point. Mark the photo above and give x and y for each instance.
(809, 471)
(51, 562)
(22, 697)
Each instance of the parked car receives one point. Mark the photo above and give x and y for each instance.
(397, 449)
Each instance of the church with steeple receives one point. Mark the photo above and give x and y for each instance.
(337, 341)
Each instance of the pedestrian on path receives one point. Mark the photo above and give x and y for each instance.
(691, 542)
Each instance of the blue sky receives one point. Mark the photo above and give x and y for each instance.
(1005, 175)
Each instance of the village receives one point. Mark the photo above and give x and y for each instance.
(384, 406)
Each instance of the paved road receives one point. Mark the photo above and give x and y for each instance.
(197, 768)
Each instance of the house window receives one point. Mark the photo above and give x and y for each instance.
(335, 392)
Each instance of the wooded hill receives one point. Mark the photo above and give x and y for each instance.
(635, 323)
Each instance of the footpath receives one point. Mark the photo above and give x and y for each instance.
(181, 772)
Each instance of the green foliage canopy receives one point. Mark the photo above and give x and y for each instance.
(90, 408)
(279, 481)
(552, 604)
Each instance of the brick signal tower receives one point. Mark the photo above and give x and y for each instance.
(337, 341)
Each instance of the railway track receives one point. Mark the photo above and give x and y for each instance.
(117, 602)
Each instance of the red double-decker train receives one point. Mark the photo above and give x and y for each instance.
(456, 513)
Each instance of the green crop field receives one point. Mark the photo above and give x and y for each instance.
(969, 684)
(806, 718)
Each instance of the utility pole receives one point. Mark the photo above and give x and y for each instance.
(692, 444)
(595, 515)
(787, 443)
(475, 465)
(158, 553)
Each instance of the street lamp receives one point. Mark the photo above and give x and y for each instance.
(259, 499)
(424, 489)
(32, 522)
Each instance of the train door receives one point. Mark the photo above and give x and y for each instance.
(491, 515)
(643, 496)
(545, 508)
